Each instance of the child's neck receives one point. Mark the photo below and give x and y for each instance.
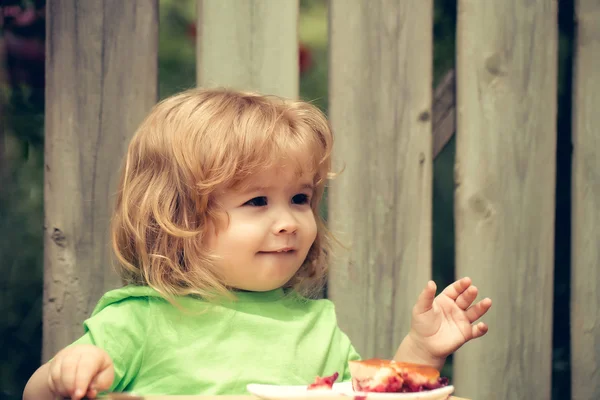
(254, 295)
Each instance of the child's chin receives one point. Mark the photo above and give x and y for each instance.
(264, 286)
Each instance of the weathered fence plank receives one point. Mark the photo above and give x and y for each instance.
(101, 80)
(505, 186)
(249, 45)
(380, 206)
(585, 266)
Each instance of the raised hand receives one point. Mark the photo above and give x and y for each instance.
(441, 325)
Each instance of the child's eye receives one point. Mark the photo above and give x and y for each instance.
(260, 201)
(301, 199)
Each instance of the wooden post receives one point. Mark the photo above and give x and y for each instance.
(101, 80)
(380, 92)
(505, 186)
(585, 249)
(248, 45)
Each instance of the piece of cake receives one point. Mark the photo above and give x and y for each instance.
(377, 375)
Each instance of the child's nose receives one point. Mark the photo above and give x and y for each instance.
(286, 223)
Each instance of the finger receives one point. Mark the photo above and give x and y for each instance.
(91, 393)
(87, 369)
(51, 384)
(68, 371)
(455, 289)
(425, 300)
(466, 298)
(54, 381)
(478, 310)
(103, 381)
(479, 330)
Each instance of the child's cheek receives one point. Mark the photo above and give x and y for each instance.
(312, 225)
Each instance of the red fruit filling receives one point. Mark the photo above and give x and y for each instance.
(325, 382)
(396, 385)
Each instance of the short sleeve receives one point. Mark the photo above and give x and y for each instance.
(120, 330)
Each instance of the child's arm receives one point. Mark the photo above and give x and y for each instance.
(75, 372)
(441, 325)
(409, 351)
(37, 387)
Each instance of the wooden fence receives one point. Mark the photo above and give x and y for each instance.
(102, 79)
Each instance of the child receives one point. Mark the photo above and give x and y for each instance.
(220, 244)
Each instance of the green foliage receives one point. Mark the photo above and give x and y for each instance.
(313, 35)
(176, 47)
(21, 249)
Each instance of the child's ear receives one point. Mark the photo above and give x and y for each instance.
(210, 232)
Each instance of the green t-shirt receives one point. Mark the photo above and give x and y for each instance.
(269, 337)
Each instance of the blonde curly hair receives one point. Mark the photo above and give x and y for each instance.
(189, 146)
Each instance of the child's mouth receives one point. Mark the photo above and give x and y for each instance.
(280, 251)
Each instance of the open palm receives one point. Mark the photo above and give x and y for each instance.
(442, 324)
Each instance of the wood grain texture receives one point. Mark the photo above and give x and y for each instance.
(380, 206)
(101, 71)
(248, 45)
(505, 187)
(585, 249)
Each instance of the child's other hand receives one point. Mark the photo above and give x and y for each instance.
(80, 370)
(441, 325)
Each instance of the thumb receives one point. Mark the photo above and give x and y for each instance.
(425, 300)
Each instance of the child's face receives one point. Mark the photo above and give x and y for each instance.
(271, 228)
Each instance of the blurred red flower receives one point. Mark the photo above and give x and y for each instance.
(23, 44)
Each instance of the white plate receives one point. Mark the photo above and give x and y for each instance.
(343, 389)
